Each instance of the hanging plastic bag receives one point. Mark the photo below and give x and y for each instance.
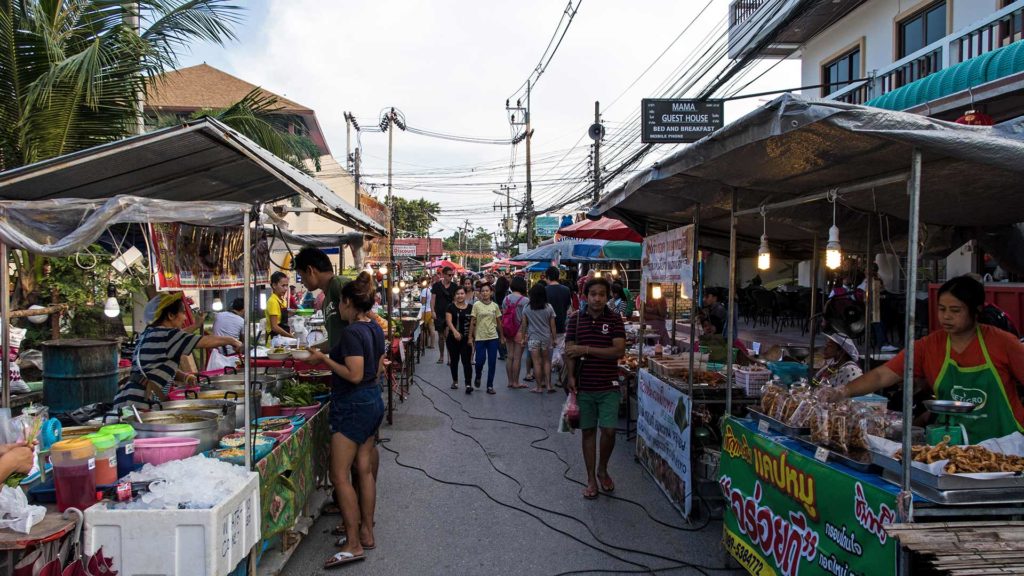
(15, 512)
(569, 419)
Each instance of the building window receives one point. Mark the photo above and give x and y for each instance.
(838, 73)
(922, 28)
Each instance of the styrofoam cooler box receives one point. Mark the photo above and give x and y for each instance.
(209, 542)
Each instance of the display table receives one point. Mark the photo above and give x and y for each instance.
(787, 513)
(291, 473)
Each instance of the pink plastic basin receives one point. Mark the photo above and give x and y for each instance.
(307, 411)
(159, 450)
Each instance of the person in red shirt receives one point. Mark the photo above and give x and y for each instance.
(966, 361)
(595, 339)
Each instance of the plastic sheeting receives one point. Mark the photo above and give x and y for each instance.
(63, 227)
(792, 147)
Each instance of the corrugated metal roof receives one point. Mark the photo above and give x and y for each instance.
(200, 160)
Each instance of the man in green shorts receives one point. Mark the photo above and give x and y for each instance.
(594, 341)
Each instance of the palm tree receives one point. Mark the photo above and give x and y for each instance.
(72, 72)
(258, 117)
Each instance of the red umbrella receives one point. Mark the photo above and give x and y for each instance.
(603, 229)
(445, 263)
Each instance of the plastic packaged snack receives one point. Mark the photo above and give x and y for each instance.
(771, 394)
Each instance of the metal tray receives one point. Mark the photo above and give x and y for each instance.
(776, 425)
(851, 461)
(922, 479)
(961, 497)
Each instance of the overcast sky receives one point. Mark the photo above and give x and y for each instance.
(450, 65)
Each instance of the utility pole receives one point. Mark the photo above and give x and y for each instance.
(464, 240)
(529, 182)
(391, 205)
(348, 141)
(507, 206)
(355, 165)
(597, 153)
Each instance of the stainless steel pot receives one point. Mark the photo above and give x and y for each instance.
(229, 381)
(179, 424)
(225, 409)
(236, 397)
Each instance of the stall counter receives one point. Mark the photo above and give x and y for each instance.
(788, 513)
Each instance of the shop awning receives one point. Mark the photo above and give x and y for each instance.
(201, 160)
(601, 229)
(792, 147)
(563, 251)
(62, 227)
(976, 71)
(608, 250)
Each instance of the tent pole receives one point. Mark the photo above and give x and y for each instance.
(914, 190)
(5, 329)
(730, 325)
(869, 301)
(813, 327)
(246, 368)
(694, 290)
(675, 309)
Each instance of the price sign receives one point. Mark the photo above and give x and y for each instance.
(762, 426)
(821, 454)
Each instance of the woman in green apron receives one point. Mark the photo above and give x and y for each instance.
(965, 361)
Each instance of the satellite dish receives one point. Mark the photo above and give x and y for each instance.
(844, 315)
(596, 131)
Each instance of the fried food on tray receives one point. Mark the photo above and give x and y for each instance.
(965, 459)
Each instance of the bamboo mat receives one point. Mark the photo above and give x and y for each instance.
(964, 548)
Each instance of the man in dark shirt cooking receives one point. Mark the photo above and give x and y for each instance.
(594, 341)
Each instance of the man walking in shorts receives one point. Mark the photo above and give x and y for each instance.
(442, 295)
(594, 342)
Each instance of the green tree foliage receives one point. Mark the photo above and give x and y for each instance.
(415, 217)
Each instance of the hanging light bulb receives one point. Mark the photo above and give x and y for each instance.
(423, 283)
(764, 255)
(394, 289)
(597, 273)
(263, 300)
(218, 304)
(833, 249)
(615, 272)
(383, 269)
(111, 308)
(656, 291)
(401, 283)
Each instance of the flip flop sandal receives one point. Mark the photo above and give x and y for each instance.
(606, 483)
(343, 558)
(529, 378)
(536, 391)
(338, 530)
(340, 543)
(590, 495)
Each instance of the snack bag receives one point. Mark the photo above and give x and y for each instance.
(770, 396)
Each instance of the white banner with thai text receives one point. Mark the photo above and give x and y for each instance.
(663, 438)
(668, 259)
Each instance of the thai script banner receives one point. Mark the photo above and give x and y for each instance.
(663, 438)
(204, 257)
(668, 258)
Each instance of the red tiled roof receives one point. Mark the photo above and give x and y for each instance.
(203, 86)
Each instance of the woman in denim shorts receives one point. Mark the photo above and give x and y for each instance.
(538, 331)
(356, 413)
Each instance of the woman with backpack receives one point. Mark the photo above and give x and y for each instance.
(511, 318)
(538, 333)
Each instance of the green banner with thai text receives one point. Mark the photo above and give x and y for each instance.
(788, 514)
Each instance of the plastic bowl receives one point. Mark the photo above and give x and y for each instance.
(261, 440)
(159, 450)
(279, 435)
(300, 354)
(306, 411)
(278, 355)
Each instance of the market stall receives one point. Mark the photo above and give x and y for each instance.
(62, 205)
(784, 177)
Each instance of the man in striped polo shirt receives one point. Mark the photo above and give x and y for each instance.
(594, 341)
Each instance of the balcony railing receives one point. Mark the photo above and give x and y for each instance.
(741, 10)
(999, 29)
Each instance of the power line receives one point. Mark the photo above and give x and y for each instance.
(545, 59)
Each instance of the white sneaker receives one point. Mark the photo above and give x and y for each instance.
(889, 348)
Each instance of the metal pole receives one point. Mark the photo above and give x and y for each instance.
(813, 328)
(905, 502)
(5, 329)
(388, 279)
(869, 302)
(730, 325)
(597, 156)
(695, 289)
(675, 310)
(355, 163)
(529, 181)
(246, 368)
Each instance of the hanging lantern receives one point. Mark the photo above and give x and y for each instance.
(975, 118)
(764, 255)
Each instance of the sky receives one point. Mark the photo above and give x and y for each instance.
(449, 65)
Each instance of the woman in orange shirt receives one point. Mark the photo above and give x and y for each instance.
(965, 361)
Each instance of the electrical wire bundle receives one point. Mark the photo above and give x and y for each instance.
(640, 568)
